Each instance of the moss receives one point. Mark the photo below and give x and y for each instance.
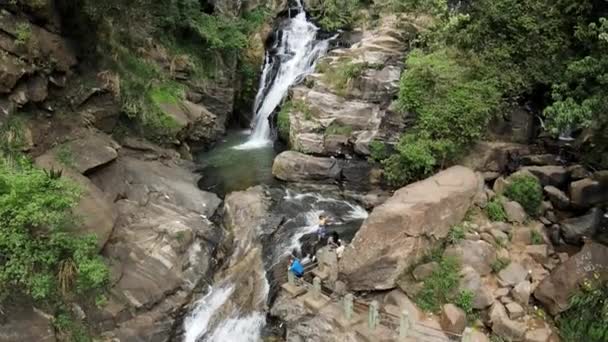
(23, 34)
(283, 121)
(499, 264)
(337, 128)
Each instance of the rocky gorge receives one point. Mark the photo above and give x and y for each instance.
(193, 264)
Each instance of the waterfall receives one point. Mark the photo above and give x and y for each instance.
(293, 57)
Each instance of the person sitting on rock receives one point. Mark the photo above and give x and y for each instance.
(322, 230)
(295, 267)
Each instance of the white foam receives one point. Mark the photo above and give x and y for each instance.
(196, 324)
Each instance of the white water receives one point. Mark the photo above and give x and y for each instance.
(297, 52)
(196, 324)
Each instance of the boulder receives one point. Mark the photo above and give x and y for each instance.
(490, 156)
(538, 252)
(512, 275)
(574, 229)
(95, 210)
(521, 236)
(25, 323)
(557, 197)
(425, 270)
(578, 172)
(554, 175)
(477, 254)
(90, 152)
(555, 290)
(453, 319)
(592, 191)
(471, 281)
(515, 212)
(400, 300)
(11, 71)
(540, 335)
(505, 327)
(404, 228)
(515, 310)
(294, 167)
(540, 159)
(521, 292)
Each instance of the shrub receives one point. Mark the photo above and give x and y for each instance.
(464, 300)
(283, 123)
(333, 15)
(336, 128)
(499, 264)
(456, 234)
(40, 259)
(439, 287)
(378, 151)
(23, 34)
(527, 191)
(495, 210)
(339, 76)
(587, 317)
(537, 238)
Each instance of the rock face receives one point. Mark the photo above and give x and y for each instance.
(27, 324)
(591, 191)
(90, 152)
(294, 166)
(555, 291)
(490, 156)
(400, 231)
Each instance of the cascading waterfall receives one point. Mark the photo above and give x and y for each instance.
(296, 54)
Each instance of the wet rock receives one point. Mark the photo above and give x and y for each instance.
(425, 270)
(512, 275)
(554, 175)
(521, 293)
(453, 319)
(477, 254)
(592, 191)
(574, 229)
(294, 167)
(396, 234)
(557, 197)
(515, 212)
(25, 323)
(489, 156)
(555, 291)
(504, 327)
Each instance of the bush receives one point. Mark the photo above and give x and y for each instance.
(39, 258)
(537, 238)
(339, 76)
(333, 15)
(439, 287)
(587, 318)
(378, 151)
(495, 210)
(456, 234)
(464, 300)
(499, 264)
(283, 123)
(527, 191)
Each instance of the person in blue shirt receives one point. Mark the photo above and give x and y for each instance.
(295, 267)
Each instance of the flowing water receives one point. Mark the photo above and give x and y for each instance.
(294, 55)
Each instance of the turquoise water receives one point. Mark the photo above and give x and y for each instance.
(225, 169)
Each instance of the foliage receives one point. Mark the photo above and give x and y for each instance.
(527, 191)
(65, 156)
(587, 317)
(378, 151)
(69, 328)
(499, 264)
(340, 75)
(283, 123)
(495, 210)
(333, 15)
(302, 107)
(439, 287)
(38, 257)
(464, 300)
(456, 234)
(336, 128)
(23, 34)
(536, 237)
(432, 7)
(12, 138)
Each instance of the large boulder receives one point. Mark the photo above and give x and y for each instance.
(453, 319)
(504, 327)
(398, 232)
(555, 291)
(591, 191)
(557, 197)
(294, 167)
(25, 323)
(90, 152)
(574, 229)
(554, 175)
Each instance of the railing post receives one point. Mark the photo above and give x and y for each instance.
(321, 260)
(467, 335)
(291, 278)
(348, 306)
(373, 315)
(404, 325)
(316, 287)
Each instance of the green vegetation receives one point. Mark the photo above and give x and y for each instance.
(537, 238)
(23, 34)
(333, 15)
(378, 151)
(302, 107)
(338, 77)
(40, 259)
(65, 156)
(439, 287)
(456, 234)
(464, 300)
(283, 123)
(499, 264)
(12, 138)
(495, 210)
(587, 317)
(527, 191)
(336, 128)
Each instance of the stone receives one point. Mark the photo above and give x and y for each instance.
(478, 336)
(515, 310)
(521, 293)
(493, 156)
(504, 327)
(425, 270)
(25, 323)
(500, 185)
(539, 335)
(477, 254)
(90, 152)
(403, 229)
(588, 192)
(499, 235)
(471, 236)
(453, 319)
(488, 238)
(539, 253)
(521, 236)
(540, 159)
(512, 275)
(578, 172)
(471, 281)
(400, 300)
(506, 300)
(549, 175)
(574, 229)
(490, 176)
(295, 167)
(557, 197)
(556, 289)
(11, 71)
(502, 226)
(515, 212)
(501, 292)
(37, 89)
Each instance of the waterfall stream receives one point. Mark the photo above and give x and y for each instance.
(293, 57)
